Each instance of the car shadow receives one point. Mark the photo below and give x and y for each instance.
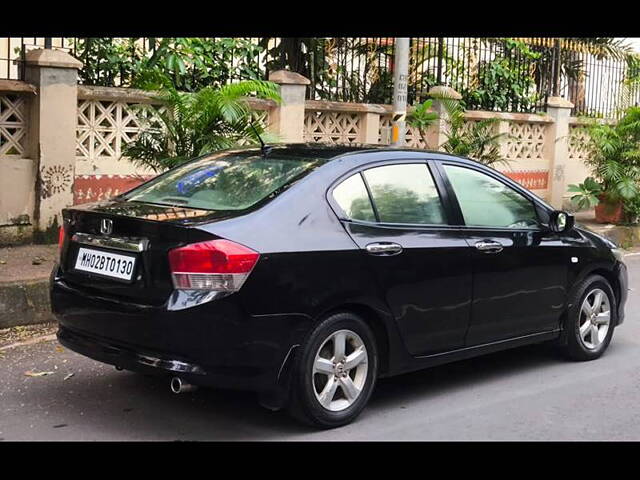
(462, 374)
(128, 405)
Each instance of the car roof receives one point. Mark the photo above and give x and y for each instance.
(359, 154)
(327, 151)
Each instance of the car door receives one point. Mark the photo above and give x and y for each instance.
(395, 214)
(519, 266)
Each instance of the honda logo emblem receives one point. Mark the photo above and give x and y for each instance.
(106, 226)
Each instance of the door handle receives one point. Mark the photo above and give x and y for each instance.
(489, 247)
(384, 248)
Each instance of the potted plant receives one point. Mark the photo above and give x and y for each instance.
(615, 162)
(587, 194)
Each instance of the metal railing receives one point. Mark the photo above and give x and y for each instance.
(499, 74)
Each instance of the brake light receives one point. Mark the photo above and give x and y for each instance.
(61, 234)
(215, 265)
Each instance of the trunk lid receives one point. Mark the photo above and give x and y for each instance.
(154, 228)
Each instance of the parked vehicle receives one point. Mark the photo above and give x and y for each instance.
(306, 272)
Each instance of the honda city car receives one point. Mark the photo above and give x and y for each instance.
(306, 272)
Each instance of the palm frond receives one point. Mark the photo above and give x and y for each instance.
(196, 123)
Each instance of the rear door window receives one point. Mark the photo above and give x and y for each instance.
(405, 194)
(352, 197)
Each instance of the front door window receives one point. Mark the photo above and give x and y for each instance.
(487, 202)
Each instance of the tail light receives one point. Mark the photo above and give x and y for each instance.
(61, 234)
(215, 265)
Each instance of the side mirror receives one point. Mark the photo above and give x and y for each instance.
(561, 221)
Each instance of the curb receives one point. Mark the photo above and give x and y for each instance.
(24, 303)
(624, 236)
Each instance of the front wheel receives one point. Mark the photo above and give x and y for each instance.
(591, 319)
(336, 372)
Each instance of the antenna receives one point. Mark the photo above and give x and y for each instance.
(265, 148)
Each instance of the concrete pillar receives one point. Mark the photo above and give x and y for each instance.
(502, 128)
(287, 120)
(369, 128)
(557, 148)
(437, 134)
(52, 134)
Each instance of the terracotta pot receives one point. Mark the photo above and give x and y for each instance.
(609, 212)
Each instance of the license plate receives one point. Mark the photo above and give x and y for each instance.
(105, 263)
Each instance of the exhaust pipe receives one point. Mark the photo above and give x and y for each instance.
(180, 386)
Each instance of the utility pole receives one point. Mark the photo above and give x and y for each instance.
(400, 79)
(556, 67)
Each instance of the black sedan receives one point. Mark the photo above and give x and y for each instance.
(305, 273)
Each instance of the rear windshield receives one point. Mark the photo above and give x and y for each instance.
(225, 181)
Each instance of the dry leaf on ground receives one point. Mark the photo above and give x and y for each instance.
(37, 374)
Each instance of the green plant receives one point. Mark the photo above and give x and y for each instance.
(614, 159)
(502, 83)
(422, 117)
(194, 63)
(196, 123)
(477, 140)
(586, 193)
(108, 61)
(632, 210)
(188, 63)
(615, 156)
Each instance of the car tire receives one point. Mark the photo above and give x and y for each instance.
(586, 339)
(331, 389)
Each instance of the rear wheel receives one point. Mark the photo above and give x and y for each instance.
(336, 372)
(591, 319)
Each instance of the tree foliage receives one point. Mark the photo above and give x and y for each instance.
(189, 63)
(506, 82)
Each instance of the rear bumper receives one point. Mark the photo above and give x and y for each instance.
(127, 358)
(216, 344)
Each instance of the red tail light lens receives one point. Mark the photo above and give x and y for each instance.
(61, 234)
(219, 265)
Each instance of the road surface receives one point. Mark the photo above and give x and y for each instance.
(524, 394)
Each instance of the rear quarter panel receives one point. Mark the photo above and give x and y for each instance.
(309, 265)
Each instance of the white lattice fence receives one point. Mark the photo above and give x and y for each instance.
(526, 141)
(12, 125)
(578, 143)
(412, 138)
(260, 116)
(331, 127)
(105, 126)
(384, 132)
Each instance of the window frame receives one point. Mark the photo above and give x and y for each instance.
(448, 208)
(508, 183)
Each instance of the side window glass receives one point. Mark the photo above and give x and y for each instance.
(352, 197)
(485, 201)
(405, 193)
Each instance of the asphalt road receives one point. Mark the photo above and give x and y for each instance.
(524, 394)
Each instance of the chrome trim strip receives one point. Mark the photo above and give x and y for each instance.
(129, 244)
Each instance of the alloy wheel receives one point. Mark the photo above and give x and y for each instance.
(595, 318)
(340, 370)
